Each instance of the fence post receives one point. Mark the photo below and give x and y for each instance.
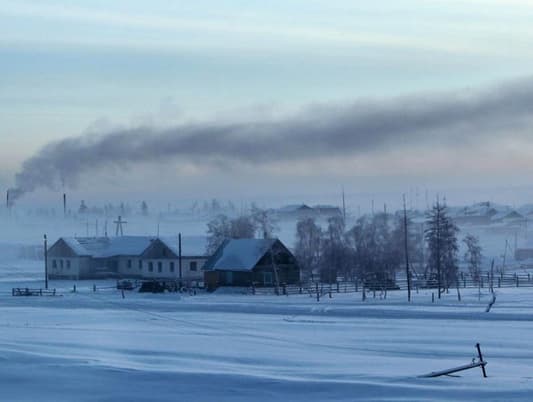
(432, 297)
(517, 281)
(285, 289)
(337, 287)
(74, 288)
(317, 293)
(364, 294)
(356, 289)
(94, 287)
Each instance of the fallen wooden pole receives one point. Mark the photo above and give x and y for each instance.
(480, 363)
(455, 370)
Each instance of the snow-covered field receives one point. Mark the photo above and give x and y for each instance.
(89, 346)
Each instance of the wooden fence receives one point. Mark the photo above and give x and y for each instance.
(485, 280)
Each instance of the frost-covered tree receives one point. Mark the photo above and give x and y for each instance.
(144, 208)
(222, 228)
(335, 253)
(242, 227)
(473, 256)
(263, 221)
(218, 230)
(374, 248)
(441, 238)
(308, 245)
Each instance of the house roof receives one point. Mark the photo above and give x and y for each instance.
(294, 208)
(104, 247)
(239, 254)
(190, 245)
(507, 215)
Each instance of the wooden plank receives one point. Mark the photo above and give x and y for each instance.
(454, 370)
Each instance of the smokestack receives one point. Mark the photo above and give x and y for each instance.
(64, 205)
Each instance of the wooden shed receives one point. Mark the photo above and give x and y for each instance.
(246, 262)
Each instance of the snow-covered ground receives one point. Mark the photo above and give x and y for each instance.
(89, 346)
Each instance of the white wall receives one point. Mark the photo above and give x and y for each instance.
(64, 267)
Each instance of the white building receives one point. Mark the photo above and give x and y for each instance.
(141, 257)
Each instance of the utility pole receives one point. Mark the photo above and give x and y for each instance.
(45, 262)
(343, 206)
(408, 273)
(179, 257)
(119, 228)
(438, 247)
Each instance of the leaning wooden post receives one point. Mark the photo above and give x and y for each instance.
(45, 262)
(481, 360)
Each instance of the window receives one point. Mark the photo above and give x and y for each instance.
(267, 278)
(159, 266)
(61, 263)
(54, 263)
(68, 264)
(151, 266)
(140, 265)
(129, 263)
(193, 266)
(172, 266)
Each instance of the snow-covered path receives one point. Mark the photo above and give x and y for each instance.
(99, 347)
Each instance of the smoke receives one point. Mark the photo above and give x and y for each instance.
(450, 119)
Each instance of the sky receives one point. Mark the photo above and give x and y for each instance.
(288, 99)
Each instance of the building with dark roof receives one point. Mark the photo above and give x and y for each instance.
(247, 262)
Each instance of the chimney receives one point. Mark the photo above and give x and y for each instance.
(64, 205)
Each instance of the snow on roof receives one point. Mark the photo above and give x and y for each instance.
(104, 247)
(190, 245)
(239, 254)
(526, 209)
(510, 214)
(294, 208)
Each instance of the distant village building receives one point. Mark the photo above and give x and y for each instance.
(243, 262)
(142, 257)
(486, 213)
(305, 211)
(509, 216)
(477, 214)
(522, 254)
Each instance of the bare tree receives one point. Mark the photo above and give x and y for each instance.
(334, 250)
(375, 249)
(473, 256)
(263, 221)
(218, 230)
(222, 228)
(308, 245)
(144, 208)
